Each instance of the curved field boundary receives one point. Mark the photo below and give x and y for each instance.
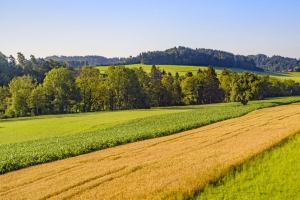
(169, 167)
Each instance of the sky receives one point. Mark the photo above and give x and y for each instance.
(122, 28)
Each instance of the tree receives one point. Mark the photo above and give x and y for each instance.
(192, 90)
(4, 76)
(144, 81)
(4, 95)
(25, 64)
(21, 59)
(211, 91)
(124, 89)
(20, 89)
(167, 85)
(156, 89)
(264, 87)
(297, 69)
(88, 81)
(244, 87)
(37, 100)
(226, 79)
(60, 89)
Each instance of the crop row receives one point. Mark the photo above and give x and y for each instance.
(19, 155)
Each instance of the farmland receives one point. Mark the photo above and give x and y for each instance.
(271, 175)
(174, 166)
(31, 128)
(183, 69)
(18, 155)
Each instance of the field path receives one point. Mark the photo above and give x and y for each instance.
(157, 168)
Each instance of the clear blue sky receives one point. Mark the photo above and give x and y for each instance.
(120, 28)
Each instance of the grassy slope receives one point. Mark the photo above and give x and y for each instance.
(19, 155)
(31, 128)
(271, 175)
(183, 69)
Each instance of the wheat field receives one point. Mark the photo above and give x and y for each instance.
(171, 167)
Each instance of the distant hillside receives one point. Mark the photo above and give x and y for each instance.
(77, 61)
(275, 63)
(188, 56)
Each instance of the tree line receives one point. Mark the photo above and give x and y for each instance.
(79, 61)
(65, 90)
(187, 56)
(276, 63)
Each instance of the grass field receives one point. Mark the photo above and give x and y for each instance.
(271, 175)
(183, 69)
(31, 128)
(18, 155)
(171, 167)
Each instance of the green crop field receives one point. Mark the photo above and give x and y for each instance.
(15, 154)
(30, 128)
(183, 69)
(271, 175)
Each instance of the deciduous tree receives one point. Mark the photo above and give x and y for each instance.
(20, 89)
(244, 87)
(60, 90)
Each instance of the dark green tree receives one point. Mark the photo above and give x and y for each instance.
(211, 90)
(60, 89)
(4, 96)
(88, 80)
(245, 86)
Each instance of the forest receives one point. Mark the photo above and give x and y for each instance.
(37, 87)
(187, 56)
(79, 61)
(196, 57)
(276, 63)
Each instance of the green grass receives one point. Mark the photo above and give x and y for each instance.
(32, 128)
(23, 154)
(273, 174)
(183, 69)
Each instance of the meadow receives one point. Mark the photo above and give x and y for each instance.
(171, 167)
(16, 155)
(273, 174)
(182, 69)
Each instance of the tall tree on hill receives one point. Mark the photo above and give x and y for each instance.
(15, 69)
(25, 64)
(4, 77)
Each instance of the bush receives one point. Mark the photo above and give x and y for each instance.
(10, 112)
